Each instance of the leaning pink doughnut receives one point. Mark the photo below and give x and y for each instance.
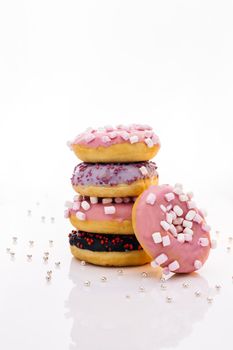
(131, 143)
(171, 229)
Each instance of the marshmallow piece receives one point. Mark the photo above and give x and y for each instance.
(68, 204)
(154, 264)
(188, 231)
(173, 230)
(124, 135)
(113, 135)
(134, 139)
(149, 142)
(188, 237)
(157, 237)
(169, 196)
(164, 225)
(151, 198)
(205, 227)
(143, 170)
(161, 259)
(118, 200)
(107, 200)
(178, 210)
(178, 221)
(190, 215)
(77, 197)
(213, 243)
(169, 218)
(105, 139)
(80, 216)
(191, 205)
(181, 237)
(109, 210)
(148, 133)
(66, 214)
(183, 198)
(203, 241)
(173, 215)
(85, 205)
(197, 264)
(178, 190)
(76, 206)
(163, 208)
(93, 200)
(179, 228)
(166, 241)
(126, 199)
(187, 223)
(174, 266)
(169, 207)
(197, 218)
(89, 137)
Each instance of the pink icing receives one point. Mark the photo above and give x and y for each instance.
(147, 221)
(108, 136)
(96, 211)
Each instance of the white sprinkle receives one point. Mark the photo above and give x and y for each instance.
(76, 206)
(93, 200)
(204, 242)
(187, 223)
(157, 237)
(179, 228)
(188, 231)
(151, 198)
(89, 137)
(183, 198)
(163, 208)
(213, 243)
(118, 200)
(164, 225)
(109, 210)
(178, 221)
(126, 199)
(191, 205)
(174, 266)
(113, 135)
(124, 135)
(85, 205)
(169, 196)
(205, 227)
(178, 210)
(107, 200)
(68, 204)
(169, 218)
(77, 197)
(197, 218)
(105, 139)
(188, 237)
(197, 264)
(154, 264)
(149, 142)
(190, 215)
(178, 190)
(161, 259)
(173, 230)
(133, 139)
(169, 207)
(181, 237)
(143, 170)
(148, 133)
(173, 215)
(166, 241)
(80, 216)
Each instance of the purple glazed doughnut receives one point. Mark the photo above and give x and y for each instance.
(114, 179)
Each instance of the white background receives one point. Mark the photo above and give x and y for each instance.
(67, 65)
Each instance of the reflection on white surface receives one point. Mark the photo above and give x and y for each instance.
(141, 318)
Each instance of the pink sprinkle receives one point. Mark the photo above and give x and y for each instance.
(151, 198)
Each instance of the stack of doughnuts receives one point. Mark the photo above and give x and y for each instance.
(115, 170)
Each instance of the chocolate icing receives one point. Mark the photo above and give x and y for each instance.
(104, 242)
(111, 174)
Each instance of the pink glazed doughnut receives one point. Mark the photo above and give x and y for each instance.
(133, 143)
(171, 229)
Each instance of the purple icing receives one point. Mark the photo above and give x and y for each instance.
(111, 174)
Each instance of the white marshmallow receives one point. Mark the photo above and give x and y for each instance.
(188, 231)
(166, 241)
(161, 259)
(89, 137)
(187, 223)
(174, 266)
(181, 237)
(113, 135)
(151, 198)
(126, 199)
(173, 230)
(76, 206)
(183, 198)
(80, 216)
(109, 210)
(205, 227)
(77, 197)
(188, 237)
(203, 241)
(178, 210)
(164, 225)
(178, 190)
(154, 264)
(143, 170)
(178, 221)
(106, 200)
(169, 218)
(133, 139)
(157, 237)
(197, 264)
(148, 133)
(105, 139)
(191, 205)
(93, 200)
(68, 204)
(163, 208)
(174, 216)
(169, 207)
(124, 135)
(85, 205)
(190, 215)
(149, 142)
(169, 196)
(118, 200)
(197, 218)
